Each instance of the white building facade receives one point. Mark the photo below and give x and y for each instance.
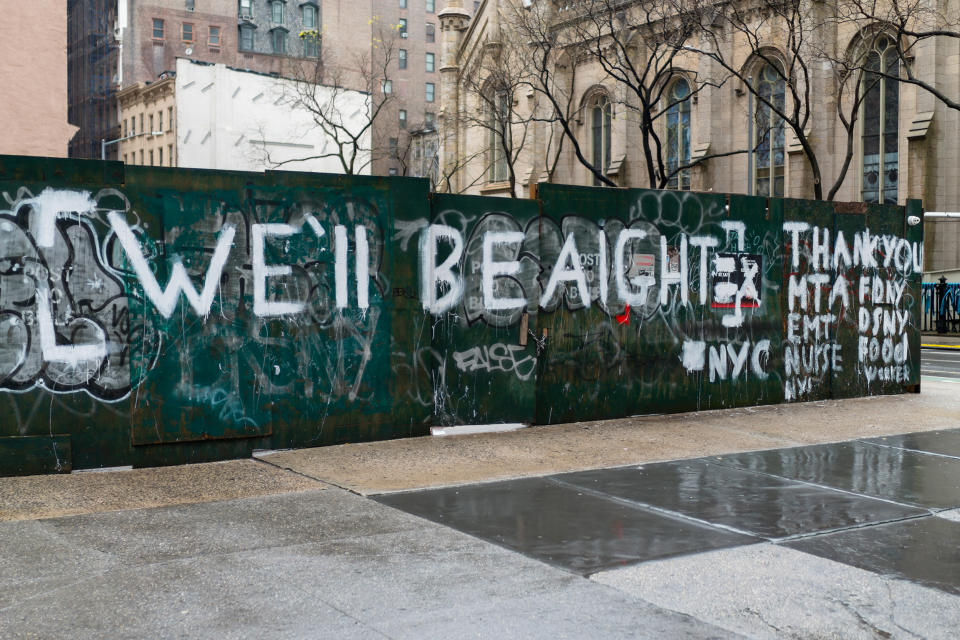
(244, 121)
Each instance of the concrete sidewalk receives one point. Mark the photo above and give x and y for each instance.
(396, 465)
(287, 545)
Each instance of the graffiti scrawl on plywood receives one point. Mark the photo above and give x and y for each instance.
(267, 311)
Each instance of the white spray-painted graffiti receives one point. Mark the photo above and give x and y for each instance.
(72, 263)
(87, 295)
(823, 296)
(64, 315)
(499, 357)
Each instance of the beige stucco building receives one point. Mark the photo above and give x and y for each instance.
(903, 141)
(148, 123)
(33, 51)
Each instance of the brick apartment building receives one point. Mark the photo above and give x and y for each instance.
(34, 55)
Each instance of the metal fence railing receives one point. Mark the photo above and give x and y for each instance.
(940, 308)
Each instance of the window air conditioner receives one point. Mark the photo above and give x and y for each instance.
(403, 34)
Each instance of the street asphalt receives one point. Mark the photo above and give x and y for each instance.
(942, 362)
(812, 520)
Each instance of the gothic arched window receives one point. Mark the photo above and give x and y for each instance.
(881, 115)
(678, 134)
(767, 158)
(601, 115)
(497, 112)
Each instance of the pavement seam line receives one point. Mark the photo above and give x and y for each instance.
(824, 486)
(918, 451)
(306, 475)
(773, 540)
(650, 507)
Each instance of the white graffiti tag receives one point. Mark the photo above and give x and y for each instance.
(497, 357)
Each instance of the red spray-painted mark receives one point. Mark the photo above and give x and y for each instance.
(625, 317)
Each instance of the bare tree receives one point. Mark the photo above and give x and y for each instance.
(851, 86)
(910, 23)
(321, 87)
(641, 47)
(797, 27)
(550, 54)
(491, 95)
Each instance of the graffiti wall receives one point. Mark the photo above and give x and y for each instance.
(157, 316)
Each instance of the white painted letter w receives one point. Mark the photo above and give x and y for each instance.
(166, 300)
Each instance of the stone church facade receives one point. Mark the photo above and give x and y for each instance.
(712, 131)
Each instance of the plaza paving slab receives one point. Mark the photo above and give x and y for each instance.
(768, 591)
(945, 443)
(889, 473)
(301, 565)
(562, 526)
(925, 550)
(752, 503)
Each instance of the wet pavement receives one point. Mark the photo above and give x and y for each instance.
(923, 550)
(669, 527)
(872, 504)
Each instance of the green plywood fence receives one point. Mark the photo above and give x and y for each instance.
(157, 316)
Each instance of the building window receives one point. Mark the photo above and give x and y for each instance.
(160, 157)
(187, 33)
(278, 39)
(157, 29)
(133, 125)
(431, 6)
(124, 158)
(429, 120)
(392, 171)
(394, 144)
(881, 126)
(170, 154)
(309, 16)
(429, 62)
(403, 4)
(213, 40)
(141, 124)
(151, 157)
(151, 124)
(141, 157)
(496, 121)
(170, 118)
(276, 11)
(246, 38)
(311, 48)
(125, 128)
(402, 58)
(678, 134)
(246, 9)
(403, 118)
(190, 5)
(403, 27)
(386, 86)
(767, 158)
(601, 116)
(159, 120)
(431, 32)
(429, 92)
